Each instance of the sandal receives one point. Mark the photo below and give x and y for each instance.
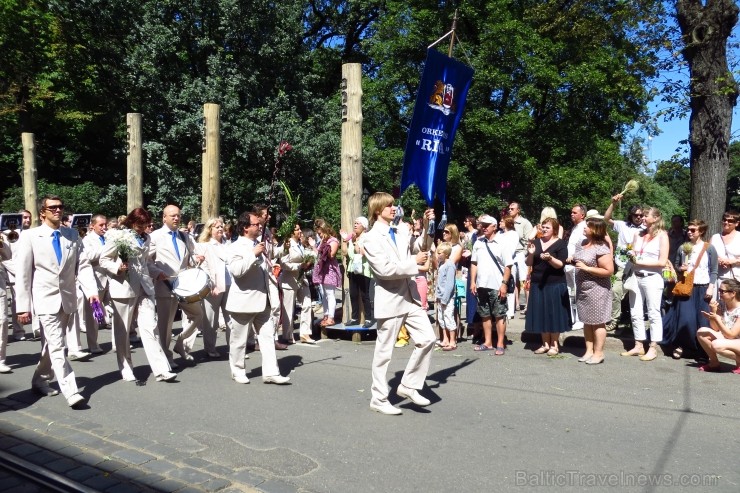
(677, 353)
(500, 351)
(541, 350)
(736, 371)
(449, 348)
(712, 369)
(553, 351)
(483, 347)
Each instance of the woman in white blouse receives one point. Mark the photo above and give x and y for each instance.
(648, 256)
(295, 263)
(211, 246)
(727, 244)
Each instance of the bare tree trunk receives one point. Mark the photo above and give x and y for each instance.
(713, 94)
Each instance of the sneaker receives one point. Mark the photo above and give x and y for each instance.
(368, 324)
(401, 343)
(5, 368)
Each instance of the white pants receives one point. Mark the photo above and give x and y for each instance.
(3, 326)
(213, 306)
(52, 354)
(289, 298)
(146, 315)
(570, 280)
(265, 329)
(191, 317)
(649, 294)
(421, 332)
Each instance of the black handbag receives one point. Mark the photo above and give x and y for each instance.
(510, 284)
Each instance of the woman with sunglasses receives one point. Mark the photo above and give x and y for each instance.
(727, 244)
(723, 334)
(683, 318)
(649, 255)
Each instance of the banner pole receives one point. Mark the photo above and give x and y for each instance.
(452, 38)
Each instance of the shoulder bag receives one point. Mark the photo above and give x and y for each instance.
(510, 285)
(686, 282)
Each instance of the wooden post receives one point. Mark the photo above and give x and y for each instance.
(211, 189)
(351, 160)
(134, 168)
(30, 194)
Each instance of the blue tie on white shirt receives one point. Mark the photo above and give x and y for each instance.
(392, 232)
(102, 240)
(57, 246)
(174, 242)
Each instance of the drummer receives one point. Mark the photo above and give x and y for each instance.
(170, 253)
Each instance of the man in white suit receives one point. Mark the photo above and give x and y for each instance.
(397, 302)
(251, 301)
(50, 260)
(170, 252)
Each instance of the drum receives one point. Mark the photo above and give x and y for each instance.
(191, 285)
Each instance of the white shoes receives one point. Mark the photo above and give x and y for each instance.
(78, 355)
(386, 408)
(75, 400)
(5, 368)
(128, 376)
(413, 395)
(240, 378)
(166, 377)
(276, 379)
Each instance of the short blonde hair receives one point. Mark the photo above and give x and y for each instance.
(445, 249)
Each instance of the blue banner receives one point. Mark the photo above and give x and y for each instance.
(439, 106)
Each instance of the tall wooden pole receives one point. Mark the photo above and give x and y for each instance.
(351, 160)
(211, 189)
(30, 194)
(134, 167)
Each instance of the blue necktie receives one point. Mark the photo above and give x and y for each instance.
(140, 240)
(57, 246)
(102, 240)
(393, 235)
(174, 242)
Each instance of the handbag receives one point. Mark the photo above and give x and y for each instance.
(686, 283)
(630, 284)
(510, 285)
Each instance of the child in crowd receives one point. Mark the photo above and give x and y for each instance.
(443, 295)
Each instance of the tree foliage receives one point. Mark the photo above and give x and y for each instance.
(557, 86)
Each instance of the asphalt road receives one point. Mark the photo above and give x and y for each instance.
(495, 423)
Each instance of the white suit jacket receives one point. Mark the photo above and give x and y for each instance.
(137, 280)
(214, 264)
(163, 258)
(394, 267)
(44, 283)
(93, 249)
(249, 291)
(291, 263)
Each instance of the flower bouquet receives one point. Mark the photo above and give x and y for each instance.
(624, 254)
(124, 241)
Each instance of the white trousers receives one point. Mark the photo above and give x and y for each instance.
(289, 298)
(192, 314)
(52, 354)
(214, 305)
(421, 332)
(146, 316)
(265, 329)
(650, 295)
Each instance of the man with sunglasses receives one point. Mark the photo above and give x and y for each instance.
(50, 261)
(625, 234)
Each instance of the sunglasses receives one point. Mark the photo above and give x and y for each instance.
(723, 291)
(446, 231)
(692, 230)
(638, 215)
(54, 207)
(731, 221)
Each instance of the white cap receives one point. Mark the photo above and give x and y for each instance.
(486, 219)
(593, 214)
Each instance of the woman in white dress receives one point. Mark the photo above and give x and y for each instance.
(124, 257)
(211, 245)
(295, 263)
(727, 244)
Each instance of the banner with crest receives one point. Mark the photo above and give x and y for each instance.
(439, 106)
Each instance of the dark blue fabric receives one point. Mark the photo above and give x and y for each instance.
(548, 308)
(684, 318)
(439, 106)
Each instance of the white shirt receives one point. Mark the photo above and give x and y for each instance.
(488, 274)
(731, 250)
